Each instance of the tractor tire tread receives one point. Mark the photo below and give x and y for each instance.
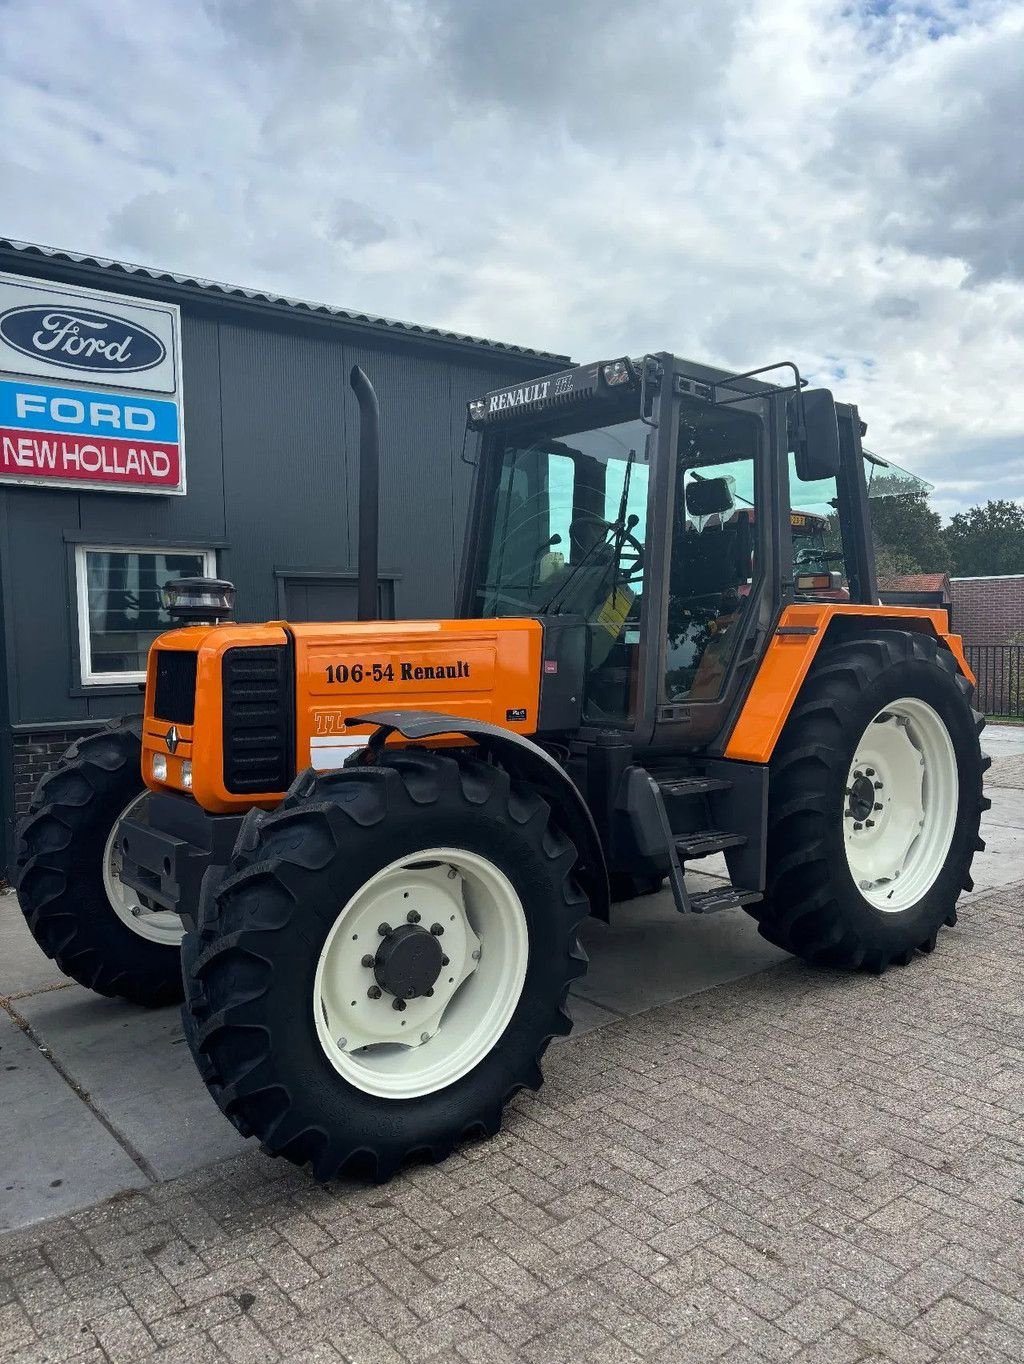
(800, 912)
(273, 861)
(61, 894)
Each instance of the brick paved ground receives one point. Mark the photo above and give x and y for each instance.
(1007, 772)
(800, 1167)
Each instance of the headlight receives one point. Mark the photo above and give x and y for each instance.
(186, 774)
(159, 767)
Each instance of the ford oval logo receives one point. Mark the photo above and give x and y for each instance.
(80, 338)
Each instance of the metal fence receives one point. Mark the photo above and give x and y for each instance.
(999, 669)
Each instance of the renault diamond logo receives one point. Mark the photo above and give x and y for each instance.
(172, 739)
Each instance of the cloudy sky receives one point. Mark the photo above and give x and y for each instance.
(737, 180)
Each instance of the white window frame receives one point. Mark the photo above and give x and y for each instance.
(89, 678)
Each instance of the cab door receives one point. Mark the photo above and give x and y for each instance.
(721, 563)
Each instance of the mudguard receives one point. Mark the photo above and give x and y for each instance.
(801, 631)
(523, 758)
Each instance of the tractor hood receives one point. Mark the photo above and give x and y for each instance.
(234, 712)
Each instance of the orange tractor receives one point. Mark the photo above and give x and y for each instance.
(362, 851)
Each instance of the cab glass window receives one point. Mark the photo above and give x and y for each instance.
(566, 537)
(819, 560)
(714, 559)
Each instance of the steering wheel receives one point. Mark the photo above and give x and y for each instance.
(630, 565)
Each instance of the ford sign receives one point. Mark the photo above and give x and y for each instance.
(81, 338)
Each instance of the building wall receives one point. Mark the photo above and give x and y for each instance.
(271, 441)
(989, 610)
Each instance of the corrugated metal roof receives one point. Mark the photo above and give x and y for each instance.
(258, 297)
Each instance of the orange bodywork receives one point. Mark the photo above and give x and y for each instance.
(201, 742)
(479, 669)
(789, 657)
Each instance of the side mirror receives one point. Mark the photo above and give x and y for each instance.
(816, 445)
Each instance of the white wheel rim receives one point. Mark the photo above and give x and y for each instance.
(900, 805)
(435, 1039)
(155, 925)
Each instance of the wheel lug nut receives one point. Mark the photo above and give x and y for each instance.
(857, 772)
(398, 1004)
(429, 993)
(373, 992)
(858, 826)
(869, 824)
(445, 961)
(368, 959)
(413, 916)
(869, 771)
(436, 929)
(384, 930)
(878, 786)
(878, 807)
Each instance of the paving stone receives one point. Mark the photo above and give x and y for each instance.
(801, 1167)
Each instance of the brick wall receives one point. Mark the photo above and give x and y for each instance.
(988, 610)
(34, 755)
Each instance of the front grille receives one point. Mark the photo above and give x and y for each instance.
(175, 694)
(258, 728)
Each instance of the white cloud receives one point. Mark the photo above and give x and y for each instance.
(740, 180)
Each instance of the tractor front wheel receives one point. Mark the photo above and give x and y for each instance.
(97, 929)
(875, 801)
(386, 962)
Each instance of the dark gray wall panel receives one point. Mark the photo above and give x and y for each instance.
(285, 478)
(200, 514)
(39, 604)
(415, 476)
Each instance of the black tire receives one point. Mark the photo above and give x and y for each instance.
(813, 906)
(59, 872)
(250, 989)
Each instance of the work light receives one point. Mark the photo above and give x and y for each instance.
(617, 372)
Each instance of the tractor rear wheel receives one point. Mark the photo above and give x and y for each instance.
(68, 875)
(875, 801)
(386, 962)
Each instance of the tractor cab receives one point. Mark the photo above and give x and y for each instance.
(657, 516)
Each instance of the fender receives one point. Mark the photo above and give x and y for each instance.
(523, 758)
(799, 634)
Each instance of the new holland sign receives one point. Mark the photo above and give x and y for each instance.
(90, 389)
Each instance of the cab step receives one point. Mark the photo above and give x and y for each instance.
(704, 841)
(727, 897)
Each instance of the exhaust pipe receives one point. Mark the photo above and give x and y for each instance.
(369, 480)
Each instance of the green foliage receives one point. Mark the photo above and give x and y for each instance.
(890, 563)
(908, 535)
(988, 540)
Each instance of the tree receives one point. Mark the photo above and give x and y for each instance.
(889, 563)
(908, 535)
(989, 540)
